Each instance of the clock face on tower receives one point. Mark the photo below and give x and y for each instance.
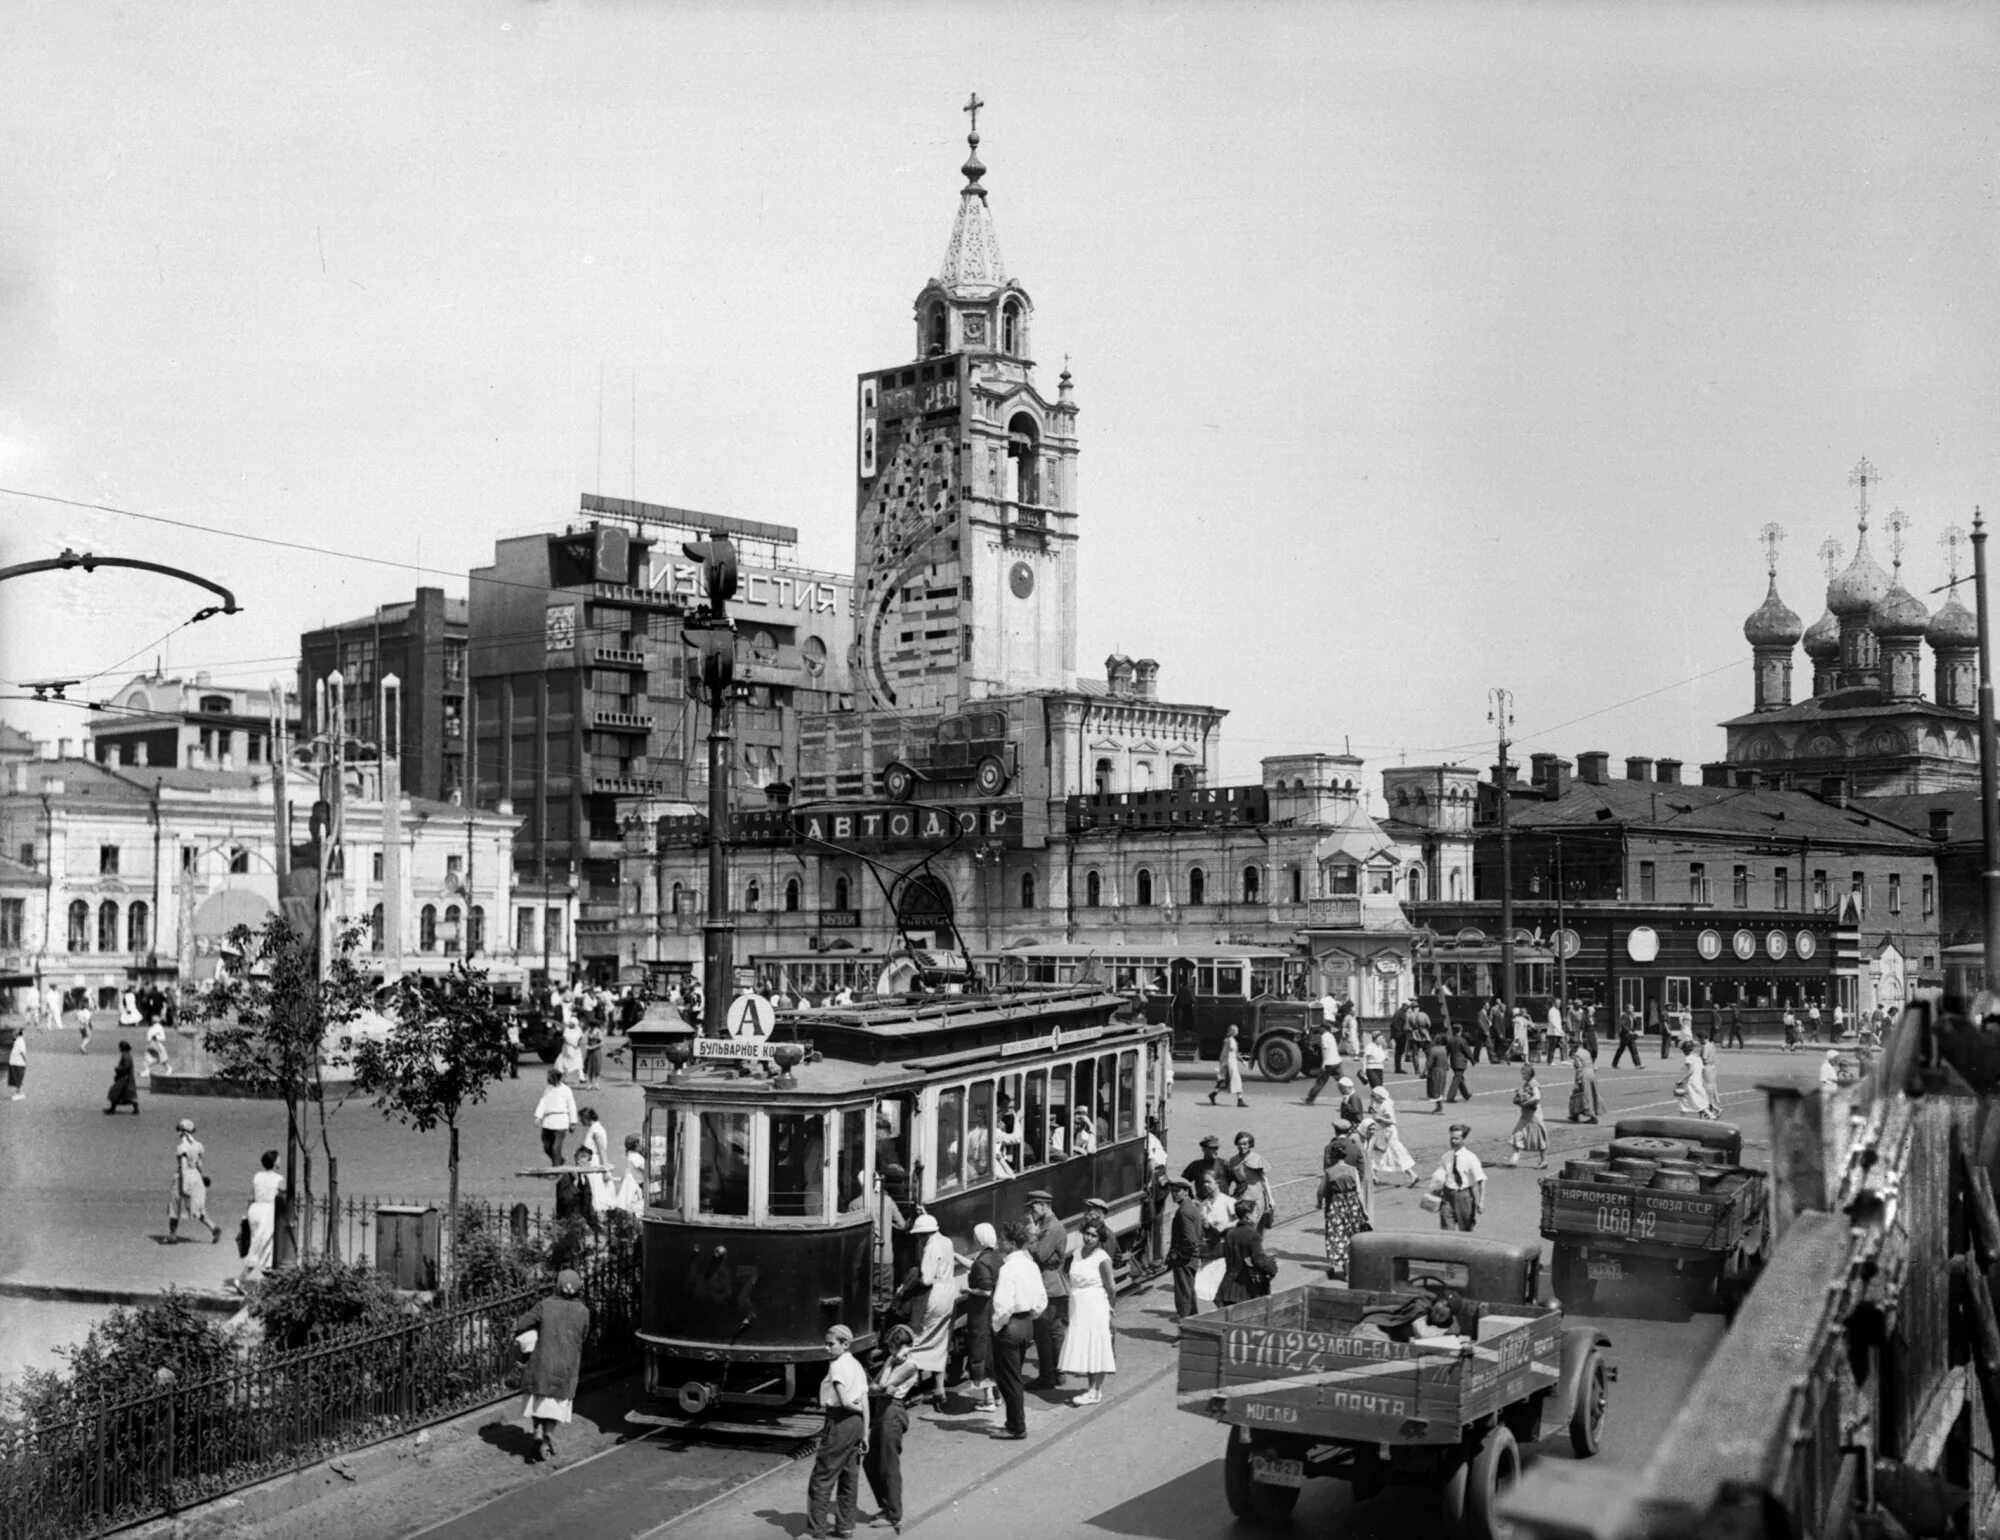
(1021, 580)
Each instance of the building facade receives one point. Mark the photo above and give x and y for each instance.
(421, 642)
(186, 724)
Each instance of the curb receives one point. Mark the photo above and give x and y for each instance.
(214, 1301)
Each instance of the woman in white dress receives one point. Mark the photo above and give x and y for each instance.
(632, 1188)
(265, 1187)
(1229, 1070)
(1087, 1350)
(1693, 1088)
(1391, 1157)
(603, 1184)
(937, 1268)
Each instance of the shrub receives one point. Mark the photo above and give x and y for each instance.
(122, 1356)
(487, 1261)
(320, 1297)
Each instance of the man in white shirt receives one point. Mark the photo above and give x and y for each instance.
(1552, 1043)
(1374, 1059)
(1018, 1297)
(1460, 1180)
(1329, 1056)
(836, 1477)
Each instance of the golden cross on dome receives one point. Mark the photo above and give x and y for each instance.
(1952, 538)
(1862, 476)
(1898, 522)
(1771, 536)
(1829, 557)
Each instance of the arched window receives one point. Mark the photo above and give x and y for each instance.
(840, 893)
(79, 926)
(1298, 884)
(751, 894)
(1010, 329)
(1027, 890)
(375, 931)
(452, 934)
(791, 895)
(1142, 775)
(1253, 882)
(1145, 881)
(1183, 777)
(107, 926)
(1023, 461)
(1197, 885)
(475, 929)
(138, 928)
(427, 929)
(936, 337)
(1103, 777)
(1457, 884)
(675, 900)
(1416, 884)
(1093, 890)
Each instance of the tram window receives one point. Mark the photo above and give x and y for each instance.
(725, 1163)
(1229, 980)
(797, 1158)
(1128, 1093)
(951, 1139)
(851, 1173)
(892, 1148)
(663, 1157)
(1007, 1156)
(1035, 1122)
(1204, 979)
(1059, 1112)
(1107, 1101)
(1086, 1101)
(979, 1132)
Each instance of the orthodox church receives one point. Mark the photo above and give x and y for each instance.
(1867, 728)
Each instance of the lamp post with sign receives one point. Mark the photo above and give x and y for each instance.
(714, 680)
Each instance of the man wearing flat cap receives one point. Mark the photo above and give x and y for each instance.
(1211, 1160)
(1050, 1250)
(1187, 1235)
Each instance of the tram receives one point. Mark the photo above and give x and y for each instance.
(778, 1202)
(822, 975)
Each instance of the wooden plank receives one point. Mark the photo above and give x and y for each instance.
(1985, 1217)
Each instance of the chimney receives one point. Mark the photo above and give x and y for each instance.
(1715, 775)
(1591, 768)
(1833, 790)
(1940, 824)
(1118, 674)
(1513, 774)
(1670, 772)
(1638, 767)
(1146, 679)
(1538, 768)
(1557, 778)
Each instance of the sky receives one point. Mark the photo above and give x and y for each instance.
(1420, 349)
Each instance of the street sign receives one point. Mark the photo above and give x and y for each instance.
(747, 1049)
(751, 1018)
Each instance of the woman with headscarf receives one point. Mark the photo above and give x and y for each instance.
(560, 1323)
(1391, 1157)
(1584, 1106)
(1247, 1269)
(124, 1082)
(1829, 1072)
(1530, 1132)
(936, 1270)
(1250, 1177)
(978, 1296)
(1341, 1202)
(1437, 1070)
(1229, 1069)
(1692, 1090)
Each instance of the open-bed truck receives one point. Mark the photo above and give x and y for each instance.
(1308, 1391)
(1688, 1250)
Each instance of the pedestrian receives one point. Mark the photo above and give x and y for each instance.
(604, 1183)
(1481, 1035)
(1353, 1104)
(1374, 1060)
(1185, 1243)
(191, 1184)
(1692, 1090)
(1050, 1252)
(631, 1195)
(1735, 1027)
(1708, 1057)
(52, 1007)
(1587, 1030)
(1250, 1177)
(593, 1051)
(1154, 1201)
(1459, 1183)
(937, 1271)
(1212, 1162)
(555, 1115)
(128, 1009)
(1791, 1030)
(1247, 1269)
(1628, 1039)
(261, 1218)
(1552, 1039)
(1416, 1040)
(1229, 1069)
(1018, 1298)
(1218, 1211)
(1458, 1059)
(17, 1064)
(888, 1420)
(1088, 1348)
(1340, 1203)
(124, 1082)
(978, 1306)
(1829, 1072)
(83, 1025)
(514, 1044)
(1350, 1030)
(1656, 1021)
(1437, 1071)
(569, 1060)
(1584, 1106)
(156, 1049)
(1523, 1047)
(1329, 1056)
(576, 1197)
(1391, 1157)
(1530, 1132)
(1812, 1022)
(560, 1322)
(1399, 1033)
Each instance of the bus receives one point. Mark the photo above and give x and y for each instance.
(776, 1207)
(1200, 992)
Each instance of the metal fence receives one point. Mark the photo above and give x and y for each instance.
(125, 1461)
(356, 1222)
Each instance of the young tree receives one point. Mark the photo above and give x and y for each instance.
(447, 1044)
(268, 1024)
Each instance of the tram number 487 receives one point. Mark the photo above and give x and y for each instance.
(1622, 1221)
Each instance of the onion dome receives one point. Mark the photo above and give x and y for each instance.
(1899, 613)
(1953, 625)
(1855, 593)
(1772, 624)
(1823, 639)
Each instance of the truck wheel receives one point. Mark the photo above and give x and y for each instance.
(1495, 1469)
(1586, 1418)
(1249, 1499)
(1278, 1058)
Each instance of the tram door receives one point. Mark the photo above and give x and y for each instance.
(895, 1174)
(1180, 1014)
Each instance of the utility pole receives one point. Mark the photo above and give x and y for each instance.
(390, 705)
(285, 1243)
(715, 635)
(1562, 952)
(1989, 761)
(1500, 712)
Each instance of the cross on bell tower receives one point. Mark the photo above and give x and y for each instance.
(1863, 476)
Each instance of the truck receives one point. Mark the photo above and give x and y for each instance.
(1693, 1241)
(1310, 1384)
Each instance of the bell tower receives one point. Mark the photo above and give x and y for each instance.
(965, 529)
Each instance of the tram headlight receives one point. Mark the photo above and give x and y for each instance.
(788, 1057)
